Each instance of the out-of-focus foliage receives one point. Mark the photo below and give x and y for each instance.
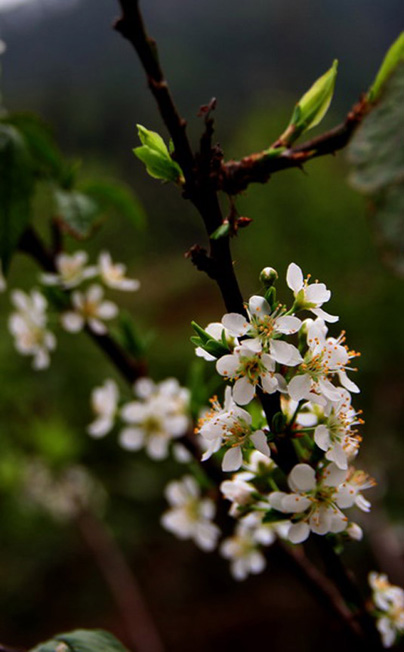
(82, 640)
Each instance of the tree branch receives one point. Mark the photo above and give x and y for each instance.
(235, 176)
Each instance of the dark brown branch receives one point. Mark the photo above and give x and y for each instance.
(128, 367)
(121, 582)
(258, 168)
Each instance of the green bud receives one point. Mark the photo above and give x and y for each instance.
(268, 276)
(394, 56)
(312, 106)
(156, 157)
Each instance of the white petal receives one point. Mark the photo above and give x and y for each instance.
(299, 387)
(320, 520)
(322, 437)
(348, 383)
(317, 293)
(285, 353)
(295, 503)
(298, 532)
(258, 306)
(72, 322)
(157, 447)
(260, 442)
(319, 312)
(97, 326)
(227, 365)
(131, 438)
(236, 324)
(302, 478)
(294, 277)
(333, 476)
(243, 391)
(232, 459)
(338, 455)
(269, 383)
(100, 427)
(287, 325)
(276, 499)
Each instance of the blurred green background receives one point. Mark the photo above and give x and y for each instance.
(65, 62)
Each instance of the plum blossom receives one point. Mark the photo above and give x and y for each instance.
(389, 603)
(230, 426)
(308, 297)
(335, 435)
(249, 369)
(265, 326)
(158, 416)
(316, 501)
(28, 327)
(244, 547)
(104, 401)
(190, 516)
(91, 309)
(325, 358)
(113, 274)
(71, 270)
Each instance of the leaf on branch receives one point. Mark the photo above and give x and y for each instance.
(221, 232)
(115, 197)
(394, 56)
(77, 212)
(82, 640)
(156, 157)
(16, 189)
(376, 154)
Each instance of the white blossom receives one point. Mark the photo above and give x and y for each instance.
(159, 416)
(28, 327)
(71, 270)
(89, 308)
(104, 402)
(230, 426)
(190, 516)
(113, 274)
(265, 326)
(308, 297)
(325, 358)
(316, 500)
(389, 602)
(249, 369)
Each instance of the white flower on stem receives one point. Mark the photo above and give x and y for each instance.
(190, 516)
(104, 402)
(308, 297)
(389, 602)
(71, 270)
(325, 359)
(335, 435)
(316, 502)
(349, 492)
(249, 369)
(91, 309)
(244, 547)
(113, 274)
(215, 330)
(230, 426)
(239, 492)
(159, 416)
(265, 326)
(28, 327)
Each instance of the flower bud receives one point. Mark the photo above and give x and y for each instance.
(268, 276)
(354, 531)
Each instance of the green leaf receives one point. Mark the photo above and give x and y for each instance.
(16, 188)
(205, 337)
(394, 56)
(46, 157)
(112, 196)
(77, 212)
(376, 154)
(156, 157)
(312, 106)
(82, 640)
(132, 341)
(221, 232)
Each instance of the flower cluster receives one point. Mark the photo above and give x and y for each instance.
(388, 603)
(273, 349)
(28, 324)
(157, 416)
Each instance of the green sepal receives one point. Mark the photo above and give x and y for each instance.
(274, 517)
(205, 337)
(394, 55)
